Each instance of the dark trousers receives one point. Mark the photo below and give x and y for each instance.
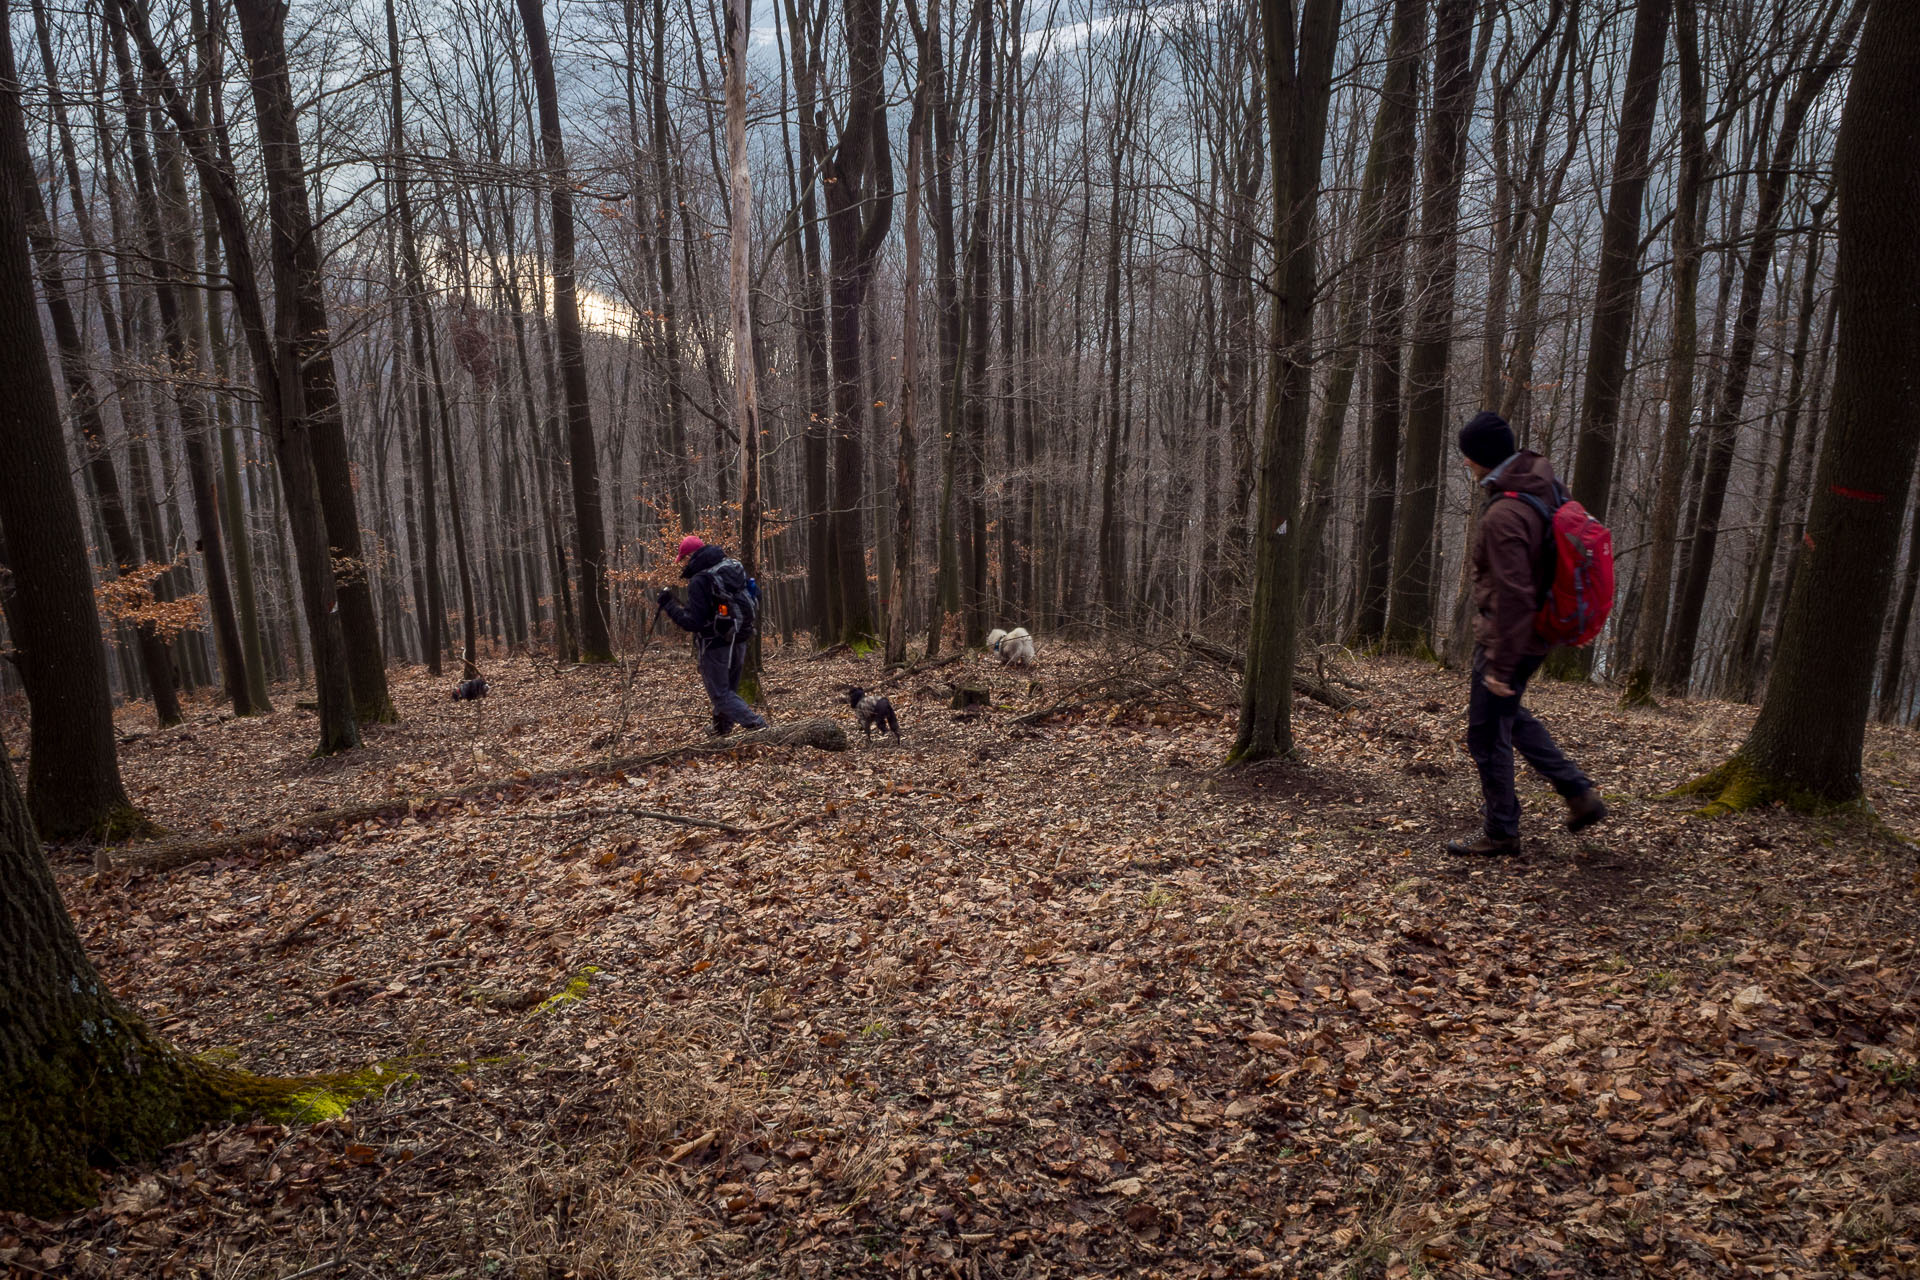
(720, 666)
(1496, 727)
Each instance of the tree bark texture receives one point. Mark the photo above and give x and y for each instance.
(589, 532)
(1299, 77)
(1410, 597)
(1618, 286)
(1805, 746)
(73, 777)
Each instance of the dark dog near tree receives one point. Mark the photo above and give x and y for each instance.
(872, 711)
(468, 690)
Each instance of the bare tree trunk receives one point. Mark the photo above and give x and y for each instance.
(1805, 746)
(1299, 78)
(73, 776)
(1649, 632)
(169, 245)
(1744, 660)
(277, 356)
(746, 391)
(1400, 96)
(859, 188)
(302, 317)
(590, 536)
(676, 443)
(904, 456)
(1618, 285)
(1410, 611)
(82, 400)
(1724, 426)
(1890, 674)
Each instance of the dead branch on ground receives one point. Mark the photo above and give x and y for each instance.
(319, 828)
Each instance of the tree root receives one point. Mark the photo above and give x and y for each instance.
(1739, 785)
(318, 828)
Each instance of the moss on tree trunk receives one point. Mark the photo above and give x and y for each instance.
(83, 1082)
(1742, 783)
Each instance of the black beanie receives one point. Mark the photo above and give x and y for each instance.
(1487, 440)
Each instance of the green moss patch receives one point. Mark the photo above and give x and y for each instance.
(576, 988)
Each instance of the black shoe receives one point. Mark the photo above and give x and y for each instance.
(721, 728)
(1485, 847)
(1585, 809)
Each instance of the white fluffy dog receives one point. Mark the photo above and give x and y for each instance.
(1014, 648)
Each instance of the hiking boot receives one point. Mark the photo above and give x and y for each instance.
(1485, 847)
(721, 728)
(1585, 809)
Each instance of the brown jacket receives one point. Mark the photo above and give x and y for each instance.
(1507, 564)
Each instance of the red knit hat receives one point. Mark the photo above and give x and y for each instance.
(688, 545)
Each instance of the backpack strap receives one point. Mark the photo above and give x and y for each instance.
(1545, 513)
(1543, 571)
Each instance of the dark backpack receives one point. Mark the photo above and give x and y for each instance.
(734, 610)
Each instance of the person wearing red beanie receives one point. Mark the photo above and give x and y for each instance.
(721, 609)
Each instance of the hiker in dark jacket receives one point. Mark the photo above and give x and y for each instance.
(719, 612)
(1511, 564)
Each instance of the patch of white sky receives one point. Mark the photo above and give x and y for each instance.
(1067, 35)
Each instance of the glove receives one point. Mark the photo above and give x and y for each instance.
(666, 594)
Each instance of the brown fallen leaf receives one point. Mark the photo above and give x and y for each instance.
(686, 1149)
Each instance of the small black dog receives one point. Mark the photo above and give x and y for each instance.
(872, 711)
(467, 690)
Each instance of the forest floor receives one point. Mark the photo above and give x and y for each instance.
(1059, 1000)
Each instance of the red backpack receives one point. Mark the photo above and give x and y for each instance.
(1578, 596)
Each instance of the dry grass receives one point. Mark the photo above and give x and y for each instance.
(610, 1203)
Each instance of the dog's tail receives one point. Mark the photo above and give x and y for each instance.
(892, 722)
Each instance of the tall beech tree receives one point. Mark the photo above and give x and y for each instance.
(83, 1082)
(1399, 113)
(746, 383)
(1410, 594)
(422, 375)
(1649, 630)
(73, 776)
(590, 537)
(1822, 61)
(1805, 745)
(857, 170)
(83, 402)
(1298, 68)
(278, 363)
(1618, 285)
(1891, 674)
(169, 244)
(301, 308)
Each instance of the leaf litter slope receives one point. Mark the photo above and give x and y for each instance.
(1002, 1001)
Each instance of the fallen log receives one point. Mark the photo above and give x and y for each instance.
(302, 833)
(1308, 684)
(926, 664)
(1115, 689)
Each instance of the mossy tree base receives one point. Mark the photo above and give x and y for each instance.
(126, 823)
(1410, 643)
(1244, 757)
(83, 1082)
(1740, 784)
(1639, 690)
(122, 1096)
